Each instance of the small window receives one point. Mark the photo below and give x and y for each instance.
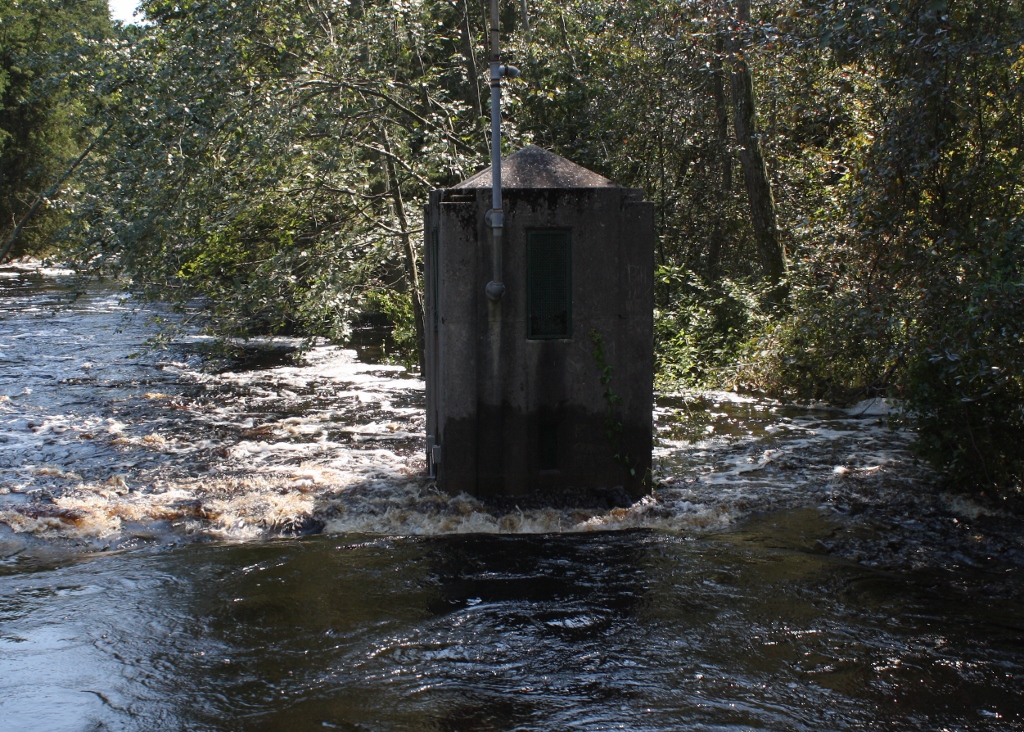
(548, 284)
(548, 453)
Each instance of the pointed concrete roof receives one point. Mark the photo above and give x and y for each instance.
(535, 167)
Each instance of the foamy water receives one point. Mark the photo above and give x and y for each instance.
(110, 443)
(795, 569)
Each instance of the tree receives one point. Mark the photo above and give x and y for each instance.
(271, 158)
(47, 110)
(914, 288)
(755, 173)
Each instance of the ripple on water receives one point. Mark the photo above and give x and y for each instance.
(732, 603)
(641, 630)
(111, 443)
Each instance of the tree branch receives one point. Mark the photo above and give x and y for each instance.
(51, 191)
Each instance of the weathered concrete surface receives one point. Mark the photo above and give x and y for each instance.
(492, 391)
(535, 167)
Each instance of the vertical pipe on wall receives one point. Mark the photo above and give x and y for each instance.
(496, 288)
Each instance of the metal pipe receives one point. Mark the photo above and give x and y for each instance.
(496, 216)
(496, 288)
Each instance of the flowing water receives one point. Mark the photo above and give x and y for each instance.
(192, 540)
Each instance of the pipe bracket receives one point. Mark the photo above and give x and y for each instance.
(494, 290)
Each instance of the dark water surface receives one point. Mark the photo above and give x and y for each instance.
(795, 569)
(748, 630)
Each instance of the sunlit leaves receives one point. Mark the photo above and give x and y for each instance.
(248, 172)
(49, 93)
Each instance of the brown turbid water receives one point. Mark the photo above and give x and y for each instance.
(195, 542)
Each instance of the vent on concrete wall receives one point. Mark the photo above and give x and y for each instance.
(548, 284)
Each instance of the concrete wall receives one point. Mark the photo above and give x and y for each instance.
(490, 389)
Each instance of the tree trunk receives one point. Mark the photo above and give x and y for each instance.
(755, 173)
(724, 155)
(412, 274)
(722, 119)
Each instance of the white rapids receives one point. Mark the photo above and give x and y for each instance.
(108, 442)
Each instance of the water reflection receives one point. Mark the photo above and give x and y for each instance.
(795, 570)
(640, 630)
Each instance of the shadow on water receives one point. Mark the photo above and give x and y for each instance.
(248, 356)
(755, 628)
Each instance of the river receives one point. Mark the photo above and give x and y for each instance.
(198, 540)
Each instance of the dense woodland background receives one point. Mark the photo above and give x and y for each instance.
(838, 185)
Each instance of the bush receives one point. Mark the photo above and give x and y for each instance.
(966, 381)
(836, 343)
(701, 327)
(396, 306)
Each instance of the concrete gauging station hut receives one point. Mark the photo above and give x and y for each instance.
(539, 346)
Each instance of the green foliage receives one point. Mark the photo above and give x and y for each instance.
(248, 170)
(916, 290)
(965, 376)
(837, 343)
(702, 326)
(627, 90)
(397, 306)
(970, 421)
(47, 104)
